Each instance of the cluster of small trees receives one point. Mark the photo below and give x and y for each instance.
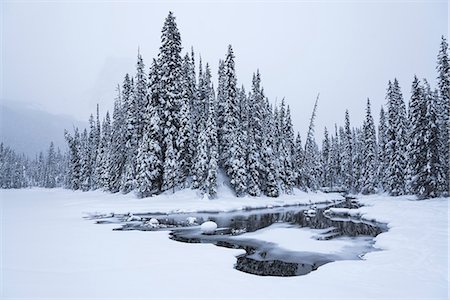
(172, 130)
(45, 170)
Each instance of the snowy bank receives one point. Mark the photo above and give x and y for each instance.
(49, 251)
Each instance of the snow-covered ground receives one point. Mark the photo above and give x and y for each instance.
(49, 251)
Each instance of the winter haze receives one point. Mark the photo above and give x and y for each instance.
(64, 57)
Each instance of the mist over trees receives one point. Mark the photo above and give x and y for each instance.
(172, 128)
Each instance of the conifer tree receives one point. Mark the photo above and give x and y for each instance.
(347, 158)
(269, 182)
(325, 161)
(128, 181)
(443, 107)
(369, 154)
(103, 156)
(51, 180)
(170, 63)
(140, 95)
(311, 159)
(335, 160)
(396, 142)
(430, 177)
(85, 162)
(213, 147)
(149, 166)
(382, 157)
(74, 159)
(118, 151)
(298, 162)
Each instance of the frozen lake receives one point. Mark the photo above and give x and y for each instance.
(48, 250)
(318, 238)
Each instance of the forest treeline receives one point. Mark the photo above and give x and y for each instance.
(171, 129)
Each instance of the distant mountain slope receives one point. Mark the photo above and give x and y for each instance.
(30, 131)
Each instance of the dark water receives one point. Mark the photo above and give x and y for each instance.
(262, 258)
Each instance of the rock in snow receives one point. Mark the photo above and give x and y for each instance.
(208, 227)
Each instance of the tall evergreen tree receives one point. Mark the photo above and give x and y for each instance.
(140, 95)
(213, 147)
(325, 161)
(298, 162)
(103, 156)
(170, 66)
(369, 154)
(74, 159)
(348, 154)
(149, 164)
(116, 162)
(311, 159)
(128, 181)
(396, 141)
(443, 107)
(51, 175)
(382, 156)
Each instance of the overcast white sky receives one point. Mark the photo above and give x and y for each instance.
(64, 57)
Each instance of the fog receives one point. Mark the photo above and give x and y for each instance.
(64, 57)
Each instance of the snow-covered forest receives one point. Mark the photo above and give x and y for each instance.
(172, 128)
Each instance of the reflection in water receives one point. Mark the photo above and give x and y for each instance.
(261, 258)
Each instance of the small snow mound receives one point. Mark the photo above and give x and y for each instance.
(208, 227)
(133, 218)
(310, 212)
(152, 223)
(191, 220)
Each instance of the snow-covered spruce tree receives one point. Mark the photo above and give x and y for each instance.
(149, 163)
(357, 148)
(213, 147)
(185, 129)
(51, 174)
(94, 136)
(233, 155)
(140, 96)
(191, 87)
(417, 146)
(288, 149)
(231, 114)
(61, 168)
(382, 157)
(254, 145)
(128, 181)
(170, 67)
(103, 156)
(369, 155)
(311, 160)
(200, 167)
(298, 162)
(92, 151)
(85, 171)
(270, 163)
(347, 157)
(430, 176)
(325, 160)
(396, 141)
(74, 159)
(335, 160)
(221, 106)
(443, 108)
(117, 152)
